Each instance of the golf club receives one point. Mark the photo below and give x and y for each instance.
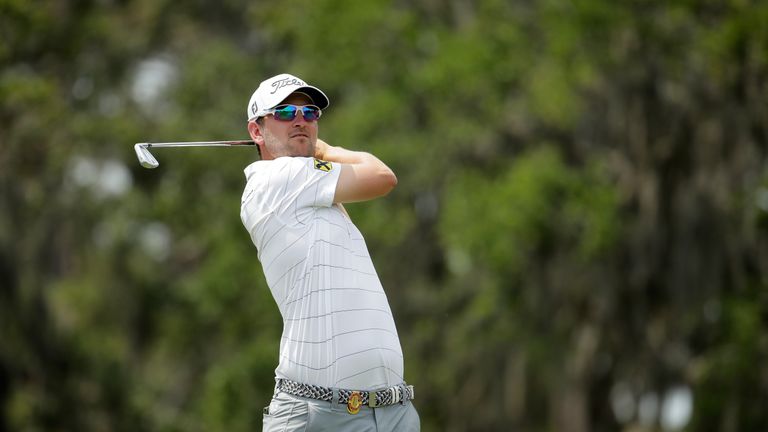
(147, 160)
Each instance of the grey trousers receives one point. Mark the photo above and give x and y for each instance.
(288, 413)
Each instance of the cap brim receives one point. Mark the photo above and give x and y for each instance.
(318, 97)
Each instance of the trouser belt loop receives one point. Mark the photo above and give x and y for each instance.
(335, 398)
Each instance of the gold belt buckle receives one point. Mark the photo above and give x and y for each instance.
(354, 403)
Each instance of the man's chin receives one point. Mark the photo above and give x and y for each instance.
(303, 146)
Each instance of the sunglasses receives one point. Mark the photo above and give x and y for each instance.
(289, 112)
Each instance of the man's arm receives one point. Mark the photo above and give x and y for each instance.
(363, 176)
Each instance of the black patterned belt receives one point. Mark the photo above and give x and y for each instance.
(389, 396)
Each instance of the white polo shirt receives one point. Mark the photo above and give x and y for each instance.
(338, 329)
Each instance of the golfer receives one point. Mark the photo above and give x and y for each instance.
(341, 365)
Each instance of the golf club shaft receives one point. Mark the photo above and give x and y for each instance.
(148, 161)
(198, 143)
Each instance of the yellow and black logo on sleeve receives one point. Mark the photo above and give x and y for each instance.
(323, 165)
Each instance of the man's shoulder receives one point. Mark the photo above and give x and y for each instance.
(260, 168)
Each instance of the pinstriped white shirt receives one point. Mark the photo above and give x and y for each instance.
(338, 329)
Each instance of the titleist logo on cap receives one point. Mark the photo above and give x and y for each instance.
(277, 85)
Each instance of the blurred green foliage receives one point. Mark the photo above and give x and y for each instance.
(580, 225)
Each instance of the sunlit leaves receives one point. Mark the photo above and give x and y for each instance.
(502, 220)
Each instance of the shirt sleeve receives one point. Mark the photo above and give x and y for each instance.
(315, 182)
(285, 192)
(289, 188)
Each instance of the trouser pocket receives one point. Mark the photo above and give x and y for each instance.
(285, 413)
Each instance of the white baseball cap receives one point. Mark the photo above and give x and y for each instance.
(274, 90)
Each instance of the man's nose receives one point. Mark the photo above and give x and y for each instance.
(299, 120)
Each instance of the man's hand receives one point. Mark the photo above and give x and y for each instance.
(321, 148)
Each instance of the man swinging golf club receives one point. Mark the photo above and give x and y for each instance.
(341, 365)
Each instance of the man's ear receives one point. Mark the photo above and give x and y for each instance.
(255, 131)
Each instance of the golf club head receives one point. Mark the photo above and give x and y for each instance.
(145, 157)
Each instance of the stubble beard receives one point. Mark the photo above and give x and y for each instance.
(294, 147)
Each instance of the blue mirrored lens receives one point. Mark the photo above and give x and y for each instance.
(288, 112)
(310, 113)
